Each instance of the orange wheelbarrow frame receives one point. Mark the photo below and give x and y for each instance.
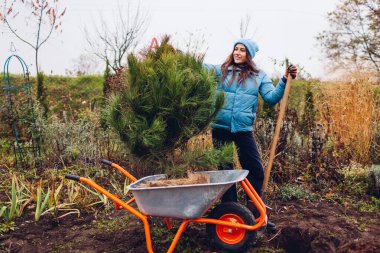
(250, 191)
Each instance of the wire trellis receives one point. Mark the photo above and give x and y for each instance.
(21, 116)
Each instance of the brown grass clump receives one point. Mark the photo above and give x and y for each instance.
(348, 113)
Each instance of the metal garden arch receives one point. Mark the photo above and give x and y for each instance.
(21, 115)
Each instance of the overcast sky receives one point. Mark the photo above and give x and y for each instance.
(281, 29)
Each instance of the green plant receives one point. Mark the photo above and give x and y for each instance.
(293, 192)
(15, 207)
(63, 207)
(308, 117)
(72, 191)
(54, 199)
(49, 202)
(14, 201)
(54, 204)
(42, 200)
(374, 180)
(369, 206)
(120, 189)
(5, 146)
(121, 223)
(106, 82)
(106, 91)
(209, 158)
(165, 235)
(355, 180)
(102, 198)
(2, 210)
(6, 226)
(80, 142)
(170, 98)
(41, 93)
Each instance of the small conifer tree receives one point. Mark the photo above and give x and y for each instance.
(308, 117)
(170, 97)
(41, 93)
(106, 90)
(106, 82)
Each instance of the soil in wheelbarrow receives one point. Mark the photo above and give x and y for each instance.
(192, 178)
(318, 226)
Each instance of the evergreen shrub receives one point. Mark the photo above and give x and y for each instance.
(169, 98)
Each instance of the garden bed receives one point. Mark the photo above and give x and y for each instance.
(319, 226)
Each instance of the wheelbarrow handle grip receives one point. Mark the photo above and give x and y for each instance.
(106, 162)
(72, 177)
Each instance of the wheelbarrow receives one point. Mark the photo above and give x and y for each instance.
(229, 225)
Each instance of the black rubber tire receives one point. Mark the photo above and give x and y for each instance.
(238, 210)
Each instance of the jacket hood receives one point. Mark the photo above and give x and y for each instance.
(250, 45)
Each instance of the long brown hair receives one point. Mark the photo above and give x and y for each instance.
(247, 69)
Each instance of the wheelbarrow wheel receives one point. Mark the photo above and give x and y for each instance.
(231, 239)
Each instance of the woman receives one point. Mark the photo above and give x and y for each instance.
(242, 82)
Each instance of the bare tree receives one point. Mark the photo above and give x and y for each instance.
(353, 35)
(195, 43)
(43, 15)
(85, 64)
(111, 42)
(245, 25)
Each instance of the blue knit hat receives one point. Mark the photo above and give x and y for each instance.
(250, 45)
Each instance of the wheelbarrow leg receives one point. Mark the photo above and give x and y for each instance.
(130, 209)
(148, 238)
(257, 201)
(120, 203)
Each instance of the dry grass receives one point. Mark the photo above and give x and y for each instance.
(202, 141)
(348, 113)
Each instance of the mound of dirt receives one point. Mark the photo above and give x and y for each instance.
(325, 227)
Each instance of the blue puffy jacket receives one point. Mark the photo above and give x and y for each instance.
(239, 111)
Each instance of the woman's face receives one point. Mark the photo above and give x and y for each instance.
(240, 54)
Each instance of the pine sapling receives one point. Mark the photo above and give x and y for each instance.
(170, 97)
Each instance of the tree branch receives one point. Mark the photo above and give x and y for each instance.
(14, 32)
(115, 43)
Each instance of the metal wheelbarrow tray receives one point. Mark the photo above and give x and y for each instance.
(183, 201)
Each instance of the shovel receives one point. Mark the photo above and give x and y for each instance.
(280, 118)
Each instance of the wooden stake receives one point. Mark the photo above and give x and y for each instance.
(277, 130)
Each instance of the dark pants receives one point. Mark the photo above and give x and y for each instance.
(249, 158)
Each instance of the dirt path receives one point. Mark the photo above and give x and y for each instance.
(302, 227)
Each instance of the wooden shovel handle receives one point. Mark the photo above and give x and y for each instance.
(280, 118)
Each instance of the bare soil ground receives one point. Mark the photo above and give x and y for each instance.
(317, 226)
